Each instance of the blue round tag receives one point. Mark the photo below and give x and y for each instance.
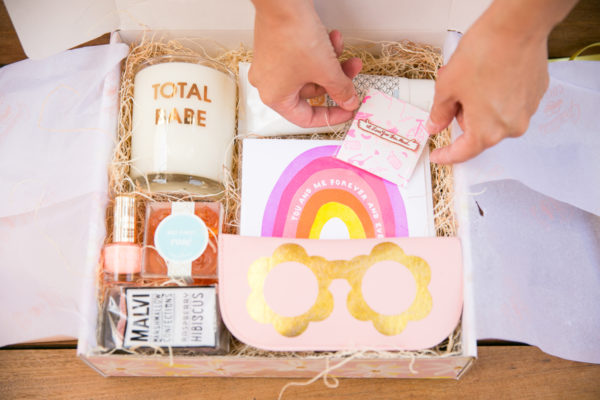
(181, 237)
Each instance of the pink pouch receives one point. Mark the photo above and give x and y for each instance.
(285, 294)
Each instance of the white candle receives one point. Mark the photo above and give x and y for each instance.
(183, 124)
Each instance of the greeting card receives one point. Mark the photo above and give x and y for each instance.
(386, 137)
(298, 189)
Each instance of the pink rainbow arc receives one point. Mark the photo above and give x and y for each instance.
(319, 163)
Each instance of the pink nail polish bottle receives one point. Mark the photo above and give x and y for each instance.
(123, 257)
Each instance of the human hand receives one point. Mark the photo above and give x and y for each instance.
(295, 59)
(493, 82)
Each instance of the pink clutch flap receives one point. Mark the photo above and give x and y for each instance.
(285, 294)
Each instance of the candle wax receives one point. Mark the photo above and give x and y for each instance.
(183, 122)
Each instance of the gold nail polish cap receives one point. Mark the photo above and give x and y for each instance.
(124, 219)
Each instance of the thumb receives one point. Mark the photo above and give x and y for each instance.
(443, 110)
(341, 89)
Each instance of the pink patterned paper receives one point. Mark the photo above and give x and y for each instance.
(386, 138)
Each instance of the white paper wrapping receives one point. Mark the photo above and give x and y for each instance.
(257, 118)
(57, 127)
(537, 270)
(527, 222)
(58, 121)
(47, 257)
(558, 156)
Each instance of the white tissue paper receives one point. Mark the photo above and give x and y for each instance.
(58, 119)
(257, 118)
(536, 271)
(558, 156)
(530, 226)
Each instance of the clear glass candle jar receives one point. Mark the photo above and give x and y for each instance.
(183, 124)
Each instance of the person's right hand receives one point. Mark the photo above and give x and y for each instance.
(494, 81)
(295, 59)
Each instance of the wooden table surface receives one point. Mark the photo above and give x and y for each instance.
(503, 370)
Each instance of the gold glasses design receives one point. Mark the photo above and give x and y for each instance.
(352, 271)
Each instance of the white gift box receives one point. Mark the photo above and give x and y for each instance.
(48, 27)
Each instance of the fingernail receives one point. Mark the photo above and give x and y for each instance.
(351, 103)
(430, 127)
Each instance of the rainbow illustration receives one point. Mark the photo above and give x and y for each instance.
(316, 190)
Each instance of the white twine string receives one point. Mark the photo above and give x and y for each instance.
(411, 365)
(323, 374)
